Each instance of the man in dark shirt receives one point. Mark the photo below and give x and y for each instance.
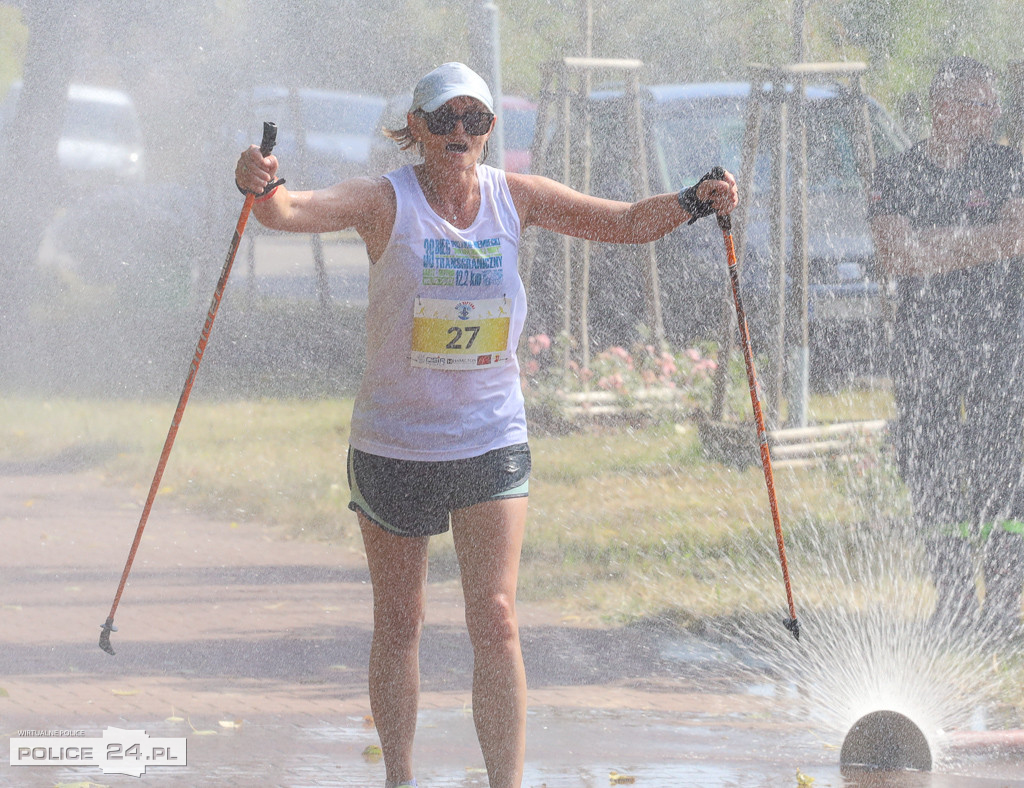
(947, 217)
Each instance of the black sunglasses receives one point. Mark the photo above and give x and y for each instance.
(442, 121)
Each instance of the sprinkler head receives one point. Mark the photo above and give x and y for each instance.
(105, 629)
(885, 741)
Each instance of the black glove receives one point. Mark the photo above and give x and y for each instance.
(692, 204)
(266, 189)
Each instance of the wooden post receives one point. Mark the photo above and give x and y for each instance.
(538, 165)
(1015, 104)
(584, 186)
(777, 233)
(567, 242)
(643, 189)
(798, 345)
(573, 97)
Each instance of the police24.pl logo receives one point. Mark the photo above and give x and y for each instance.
(119, 751)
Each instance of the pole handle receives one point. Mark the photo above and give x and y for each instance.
(724, 222)
(269, 137)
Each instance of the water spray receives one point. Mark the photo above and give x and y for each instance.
(266, 147)
(725, 223)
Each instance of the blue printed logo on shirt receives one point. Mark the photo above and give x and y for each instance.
(462, 263)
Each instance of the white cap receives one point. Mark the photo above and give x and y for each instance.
(445, 83)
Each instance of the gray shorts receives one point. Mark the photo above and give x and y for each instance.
(416, 498)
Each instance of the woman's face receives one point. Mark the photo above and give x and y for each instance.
(458, 147)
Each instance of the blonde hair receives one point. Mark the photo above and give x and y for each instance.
(402, 136)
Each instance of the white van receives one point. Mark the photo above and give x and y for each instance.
(102, 138)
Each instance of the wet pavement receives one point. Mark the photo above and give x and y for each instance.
(249, 649)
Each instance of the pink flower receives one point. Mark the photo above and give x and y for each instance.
(531, 367)
(539, 343)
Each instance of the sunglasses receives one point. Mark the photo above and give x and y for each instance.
(442, 121)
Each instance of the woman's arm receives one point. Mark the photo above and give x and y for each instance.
(366, 204)
(554, 206)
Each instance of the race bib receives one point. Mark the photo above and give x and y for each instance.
(460, 335)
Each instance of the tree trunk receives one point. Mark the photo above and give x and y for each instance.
(34, 187)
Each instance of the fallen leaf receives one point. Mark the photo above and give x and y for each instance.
(3, 693)
(620, 779)
(125, 692)
(230, 723)
(803, 780)
(275, 606)
(372, 753)
(29, 503)
(368, 721)
(197, 732)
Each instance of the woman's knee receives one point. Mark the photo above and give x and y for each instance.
(399, 617)
(491, 621)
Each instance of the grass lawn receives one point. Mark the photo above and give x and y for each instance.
(625, 522)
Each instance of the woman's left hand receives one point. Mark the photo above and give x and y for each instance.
(722, 194)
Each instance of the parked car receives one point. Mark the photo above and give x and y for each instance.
(692, 127)
(102, 139)
(518, 119)
(323, 135)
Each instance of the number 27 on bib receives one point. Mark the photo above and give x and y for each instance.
(460, 335)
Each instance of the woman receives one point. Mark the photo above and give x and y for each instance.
(438, 427)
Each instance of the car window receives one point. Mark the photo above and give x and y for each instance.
(688, 139)
(100, 121)
(887, 138)
(831, 155)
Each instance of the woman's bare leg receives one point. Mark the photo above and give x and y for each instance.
(398, 571)
(488, 540)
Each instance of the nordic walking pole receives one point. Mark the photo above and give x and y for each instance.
(266, 146)
(725, 223)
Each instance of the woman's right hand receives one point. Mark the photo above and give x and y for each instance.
(254, 170)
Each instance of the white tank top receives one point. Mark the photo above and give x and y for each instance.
(446, 309)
